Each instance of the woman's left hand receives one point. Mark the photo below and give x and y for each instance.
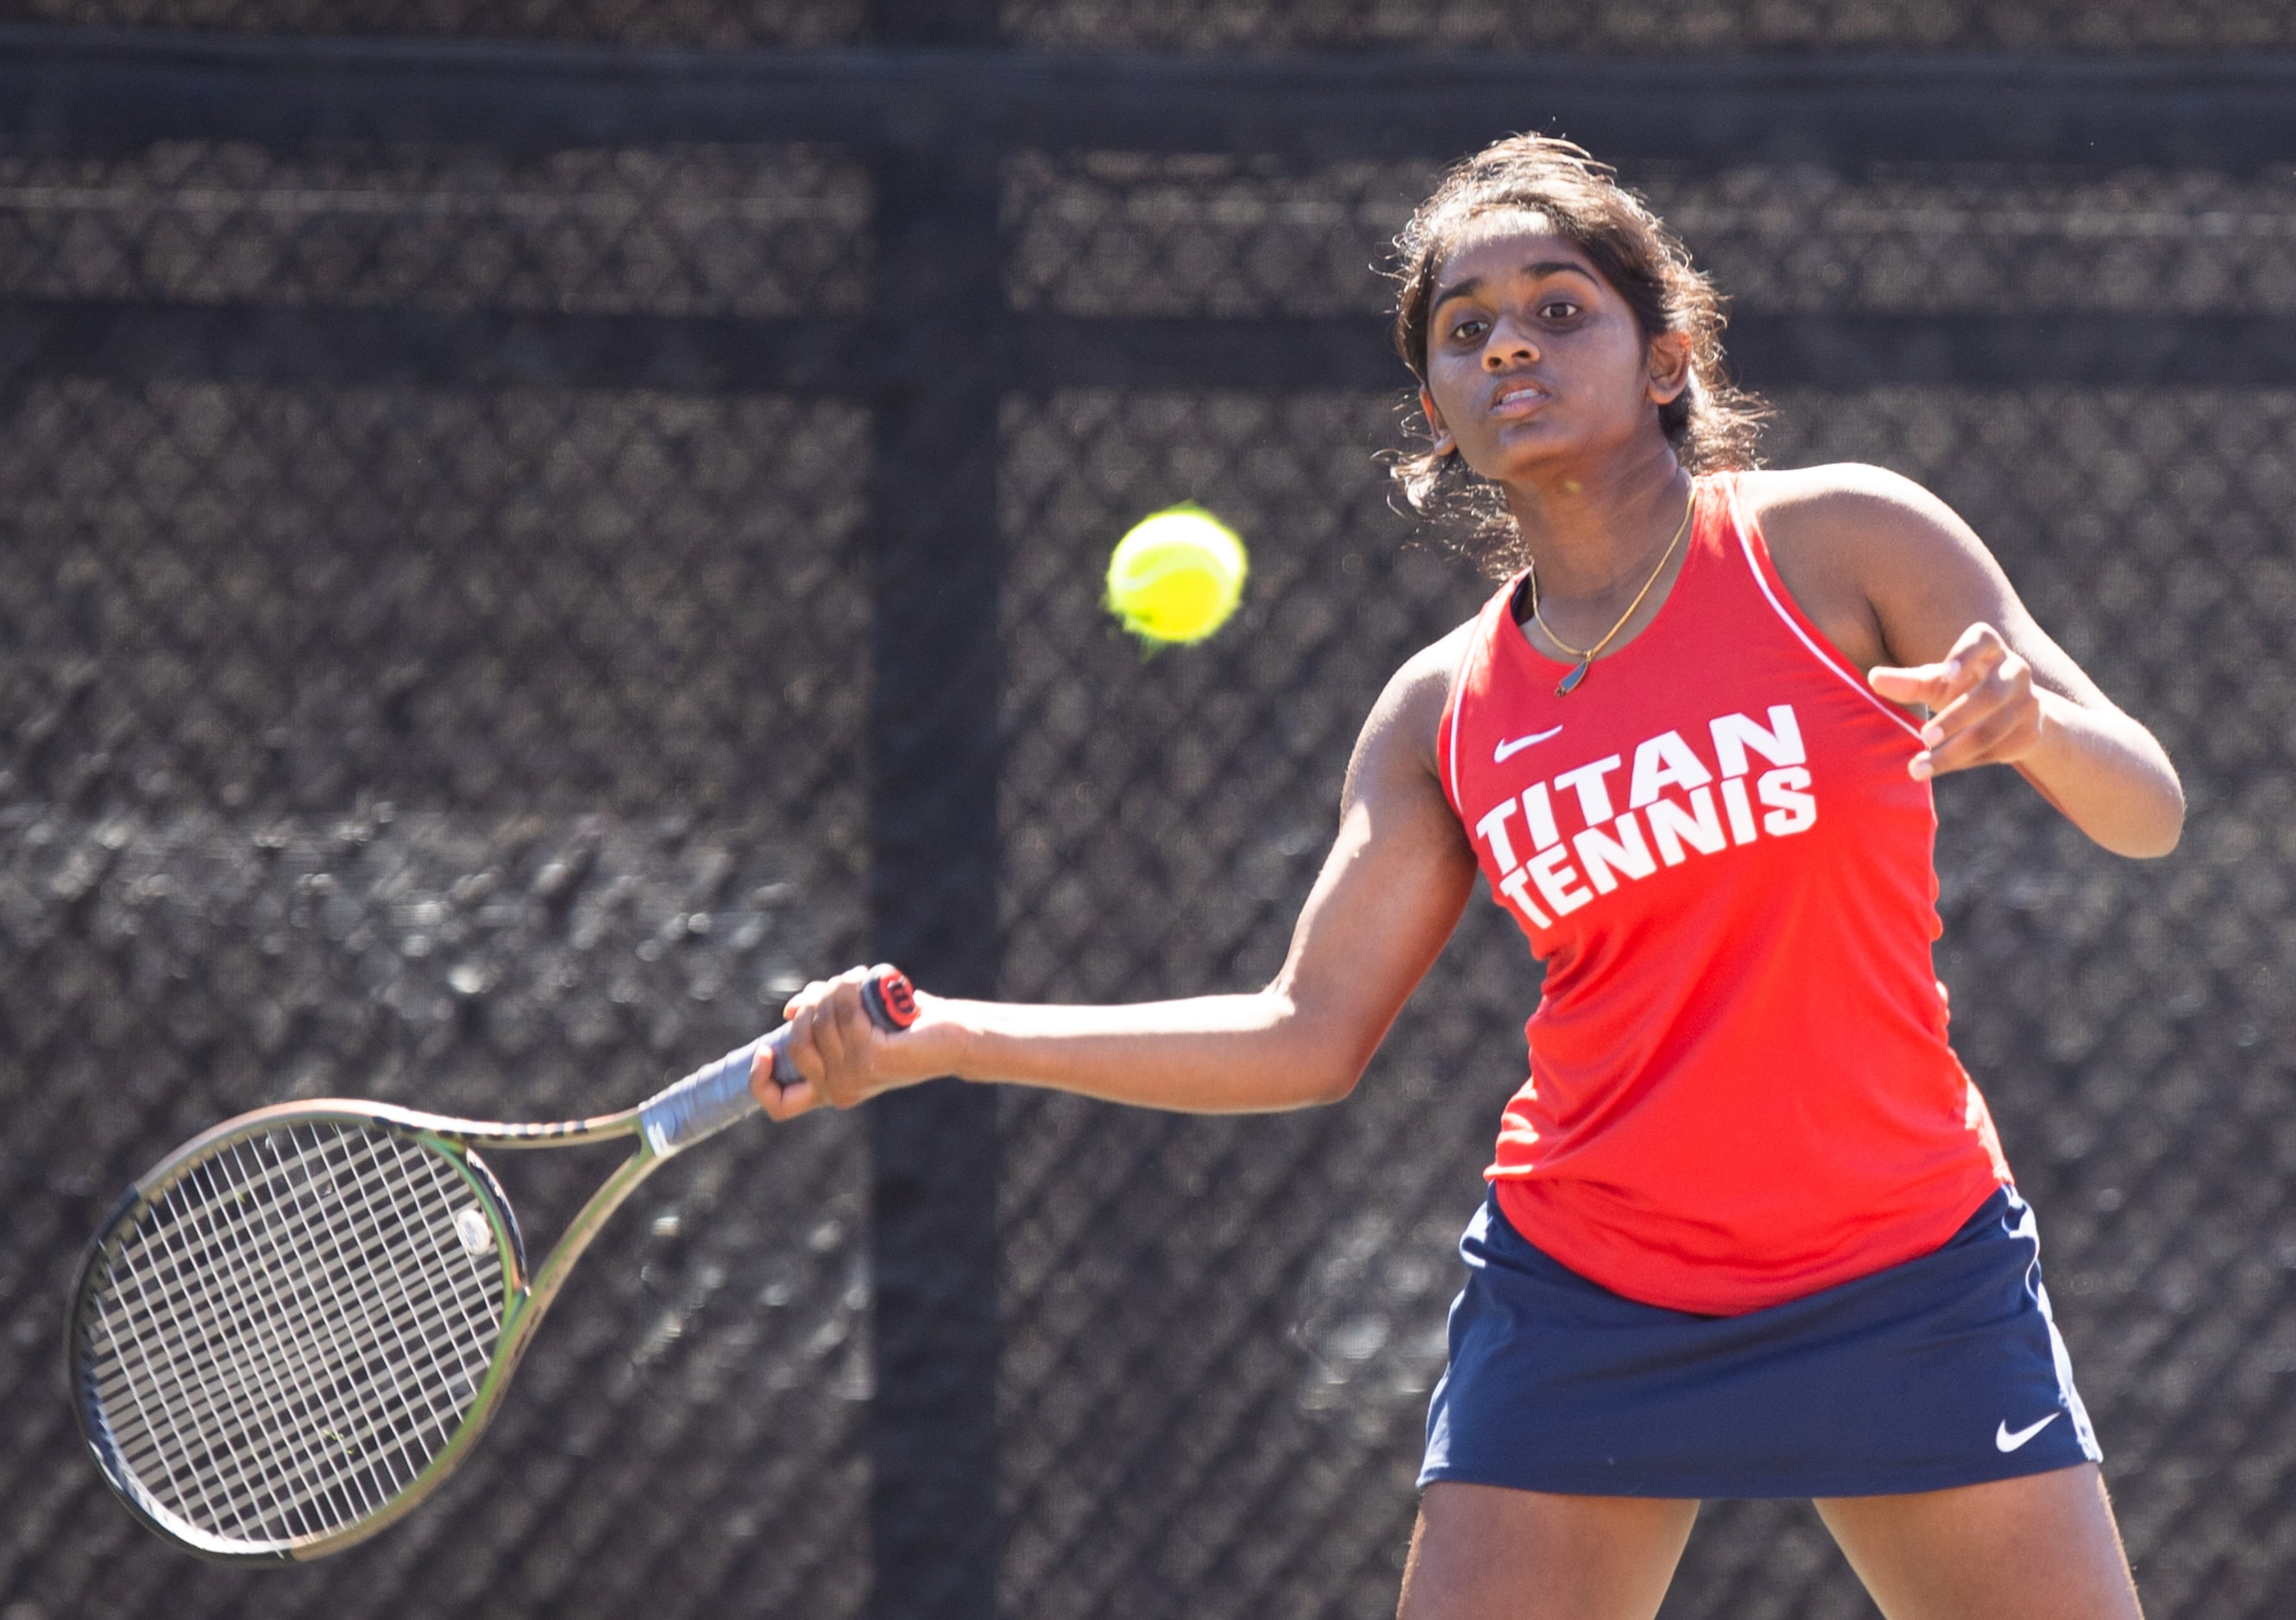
(1984, 707)
(1899, 576)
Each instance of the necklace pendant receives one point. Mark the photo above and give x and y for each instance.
(1570, 682)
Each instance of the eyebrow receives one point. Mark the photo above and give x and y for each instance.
(1545, 266)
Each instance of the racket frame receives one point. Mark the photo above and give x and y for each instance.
(703, 1103)
(525, 1297)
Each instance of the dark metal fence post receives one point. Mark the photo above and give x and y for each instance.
(933, 325)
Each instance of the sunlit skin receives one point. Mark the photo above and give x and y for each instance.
(1538, 375)
(1541, 379)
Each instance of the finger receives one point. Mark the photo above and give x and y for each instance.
(1972, 708)
(782, 1103)
(1946, 722)
(836, 1015)
(1931, 685)
(1989, 726)
(1991, 740)
(813, 1050)
(2004, 688)
(1916, 684)
(774, 1076)
(1976, 654)
(1980, 641)
(1948, 736)
(834, 1042)
(841, 1030)
(812, 995)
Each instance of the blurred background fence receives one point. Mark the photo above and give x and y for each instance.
(516, 551)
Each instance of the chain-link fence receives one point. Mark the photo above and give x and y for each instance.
(445, 662)
(1633, 25)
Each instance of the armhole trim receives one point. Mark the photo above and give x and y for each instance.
(1756, 550)
(1451, 707)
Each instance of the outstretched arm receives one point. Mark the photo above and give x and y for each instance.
(1389, 895)
(1908, 591)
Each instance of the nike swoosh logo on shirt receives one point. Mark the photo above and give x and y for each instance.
(1508, 750)
(2008, 1442)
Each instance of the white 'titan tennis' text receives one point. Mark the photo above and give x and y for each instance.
(1676, 806)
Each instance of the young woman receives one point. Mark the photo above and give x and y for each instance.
(1750, 1230)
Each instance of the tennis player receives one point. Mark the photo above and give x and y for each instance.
(1750, 1232)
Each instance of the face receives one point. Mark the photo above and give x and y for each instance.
(1533, 360)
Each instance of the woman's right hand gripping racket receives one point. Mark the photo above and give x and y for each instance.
(295, 1325)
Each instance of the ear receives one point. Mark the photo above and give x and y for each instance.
(1669, 366)
(1444, 443)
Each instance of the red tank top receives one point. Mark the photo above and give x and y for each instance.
(1741, 1089)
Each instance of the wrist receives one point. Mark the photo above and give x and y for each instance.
(954, 1032)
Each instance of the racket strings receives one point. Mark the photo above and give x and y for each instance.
(300, 1349)
(314, 1355)
(252, 1292)
(308, 1353)
(198, 1390)
(283, 1340)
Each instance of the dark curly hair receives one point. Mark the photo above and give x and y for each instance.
(1712, 425)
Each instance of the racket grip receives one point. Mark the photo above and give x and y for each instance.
(719, 1094)
(709, 1099)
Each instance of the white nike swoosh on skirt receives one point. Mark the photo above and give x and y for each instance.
(2008, 1442)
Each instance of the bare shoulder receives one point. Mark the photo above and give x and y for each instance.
(1399, 738)
(1421, 691)
(1427, 675)
(1849, 503)
(1873, 559)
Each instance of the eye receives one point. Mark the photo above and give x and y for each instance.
(1557, 309)
(1469, 329)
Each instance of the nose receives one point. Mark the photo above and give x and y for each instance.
(1508, 345)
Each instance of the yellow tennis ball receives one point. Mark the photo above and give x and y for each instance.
(1177, 576)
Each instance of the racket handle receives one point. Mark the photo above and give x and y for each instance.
(718, 1094)
(891, 1000)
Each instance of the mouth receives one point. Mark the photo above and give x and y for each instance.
(1518, 398)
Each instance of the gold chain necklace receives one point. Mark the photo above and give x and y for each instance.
(1570, 682)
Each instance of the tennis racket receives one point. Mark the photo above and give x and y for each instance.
(294, 1327)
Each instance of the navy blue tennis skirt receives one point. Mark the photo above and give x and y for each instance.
(1944, 1371)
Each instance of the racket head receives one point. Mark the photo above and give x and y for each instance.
(293, 1328)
